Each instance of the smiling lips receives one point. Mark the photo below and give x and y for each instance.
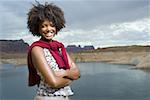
(49, 34)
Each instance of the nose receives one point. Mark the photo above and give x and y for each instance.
(49, 29)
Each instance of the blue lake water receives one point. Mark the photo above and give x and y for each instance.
(99, 81)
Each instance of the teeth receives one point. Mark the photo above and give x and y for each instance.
(50, 33)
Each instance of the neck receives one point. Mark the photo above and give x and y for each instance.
(46, 40)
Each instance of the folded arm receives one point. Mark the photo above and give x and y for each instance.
(72, 73)
(39, 61)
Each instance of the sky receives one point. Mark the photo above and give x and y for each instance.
(101, 23)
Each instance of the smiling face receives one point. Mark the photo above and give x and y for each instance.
(47, 30)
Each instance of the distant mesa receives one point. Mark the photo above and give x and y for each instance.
(13, 46)
(74, 48)
(19, 46)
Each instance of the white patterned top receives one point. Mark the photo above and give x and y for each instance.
(44, 89)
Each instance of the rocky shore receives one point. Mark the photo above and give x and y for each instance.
(138, 59)
(13, 58)
(139, 56)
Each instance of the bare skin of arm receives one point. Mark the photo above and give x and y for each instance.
(73, 73)
(41, 64)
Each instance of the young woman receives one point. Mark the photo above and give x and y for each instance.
(50, 67)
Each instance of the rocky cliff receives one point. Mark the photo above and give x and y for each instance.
(13, 46)
(13, 51)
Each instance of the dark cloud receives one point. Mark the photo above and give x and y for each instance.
(90, 13)
(86, 15)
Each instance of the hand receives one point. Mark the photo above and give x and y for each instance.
(60, 73)
(63, 73)
(73, 73)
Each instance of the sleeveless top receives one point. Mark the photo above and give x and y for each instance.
(44, 89)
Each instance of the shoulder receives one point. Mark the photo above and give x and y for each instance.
(36, 50)
(36, 46)
(37, 53)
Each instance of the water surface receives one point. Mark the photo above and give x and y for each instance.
(99, 81)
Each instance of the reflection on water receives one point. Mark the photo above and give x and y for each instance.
(146, 70)
(99, 81)
(13, 83)
(97, 68)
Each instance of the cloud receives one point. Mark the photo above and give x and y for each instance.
(136, 32)
(13, 21)
(91, 13)
(130, 33)
(91, 22)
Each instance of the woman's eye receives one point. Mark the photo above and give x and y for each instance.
(53, 31)
(42, 26)
(46, 25)
(52, 25)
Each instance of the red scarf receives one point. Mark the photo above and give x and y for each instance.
(57, 50)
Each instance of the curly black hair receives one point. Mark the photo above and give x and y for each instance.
(41, 12)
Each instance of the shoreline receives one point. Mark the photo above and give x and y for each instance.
(17, 62)
(141, 60)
